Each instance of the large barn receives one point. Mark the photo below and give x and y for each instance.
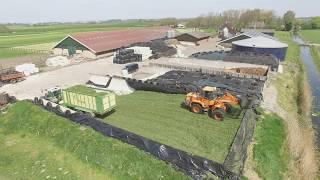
(96, 44)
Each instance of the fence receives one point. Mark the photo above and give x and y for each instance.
(238, 152)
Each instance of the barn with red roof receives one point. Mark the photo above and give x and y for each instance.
(96, 44)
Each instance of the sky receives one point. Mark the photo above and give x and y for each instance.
(34, 11)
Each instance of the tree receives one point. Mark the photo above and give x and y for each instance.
(289, 19)
(168, 22)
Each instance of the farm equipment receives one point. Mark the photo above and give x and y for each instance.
(210, 100)
(4, 99)
(82, 98)
(11, 76)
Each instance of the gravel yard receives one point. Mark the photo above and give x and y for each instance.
(65, 77)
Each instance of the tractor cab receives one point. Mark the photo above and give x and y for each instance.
(53, 94)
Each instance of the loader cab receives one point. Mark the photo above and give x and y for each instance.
(210, 92)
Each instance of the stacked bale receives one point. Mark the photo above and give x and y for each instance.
(124, 56)
(253, 58)
(159, 48)
(211, 55)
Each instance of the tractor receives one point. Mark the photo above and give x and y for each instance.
(53, 95)
(211, 100)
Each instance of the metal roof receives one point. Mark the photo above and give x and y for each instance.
(249, 34)
(260, 42)
(196, 34)
(110, 40)
(199, 35)
(254, 33)
(259, 30)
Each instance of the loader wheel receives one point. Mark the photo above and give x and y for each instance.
(217, 114)
(196, 108)
(228, 107)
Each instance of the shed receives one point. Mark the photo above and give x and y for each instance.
(192, 38)
(96, 44)
(261, 45)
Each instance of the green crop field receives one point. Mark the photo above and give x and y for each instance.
(161, 118)
(36, 144)
(33, 37)
(312, 36)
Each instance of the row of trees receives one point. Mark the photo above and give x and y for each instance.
(311, 23)
(258, 18)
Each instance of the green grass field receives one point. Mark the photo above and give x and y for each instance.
(159, 117)
(29, 36)
(311, 36)
(269, 150)
(36, 144)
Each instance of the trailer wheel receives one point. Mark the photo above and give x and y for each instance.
(36, 100)
(217, 114)
(41, 102)
(49, 105)
(68, 113)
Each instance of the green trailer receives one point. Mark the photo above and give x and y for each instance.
(86, 99)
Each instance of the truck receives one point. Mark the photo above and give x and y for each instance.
(11, 76)
(84, 99)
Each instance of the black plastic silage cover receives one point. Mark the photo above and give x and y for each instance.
(194, 166)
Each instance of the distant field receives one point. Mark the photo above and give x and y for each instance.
(159, 117)
(36, 36)
(312, 36)
(40, 47)
(36, 144)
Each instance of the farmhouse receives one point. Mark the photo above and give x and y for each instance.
(192, 38)
(97, 44)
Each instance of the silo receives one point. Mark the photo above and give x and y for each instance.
(171, 34)
(262, 45)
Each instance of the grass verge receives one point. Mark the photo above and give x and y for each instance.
(315, 51)
(36, 144)
(295, 100)
(269, 151)
(159, 117)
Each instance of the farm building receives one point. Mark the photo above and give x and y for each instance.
(192, 38)
(261, 45)
(242, 36)
(227, 30)
(96, 44)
